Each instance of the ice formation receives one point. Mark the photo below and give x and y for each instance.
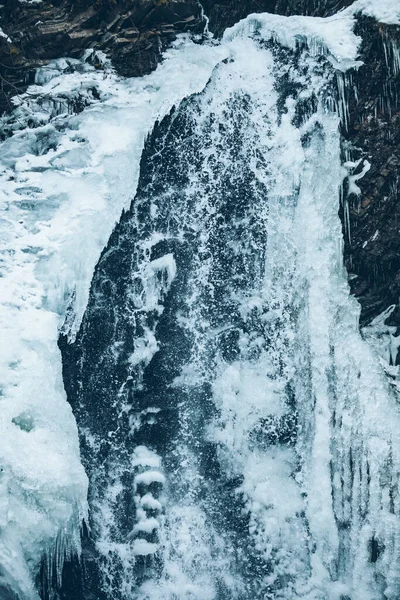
(304, 419)
(65, 180)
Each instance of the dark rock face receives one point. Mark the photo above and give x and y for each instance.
(372, 250)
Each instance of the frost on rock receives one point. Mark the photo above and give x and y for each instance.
(385, 343)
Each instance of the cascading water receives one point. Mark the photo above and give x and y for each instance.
(240, 438)
(228, 408)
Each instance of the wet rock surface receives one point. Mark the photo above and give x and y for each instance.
(372, 250)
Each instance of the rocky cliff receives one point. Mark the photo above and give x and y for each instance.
(373, 225)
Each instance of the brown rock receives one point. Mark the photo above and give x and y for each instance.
(132, 33)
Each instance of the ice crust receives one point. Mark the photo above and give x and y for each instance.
(332, 35)
(65, 180)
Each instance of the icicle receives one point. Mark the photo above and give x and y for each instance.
(392, 54)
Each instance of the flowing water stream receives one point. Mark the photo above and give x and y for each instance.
(230, 413)
(240, 438)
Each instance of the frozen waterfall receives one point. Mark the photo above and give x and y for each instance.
(238, 439)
